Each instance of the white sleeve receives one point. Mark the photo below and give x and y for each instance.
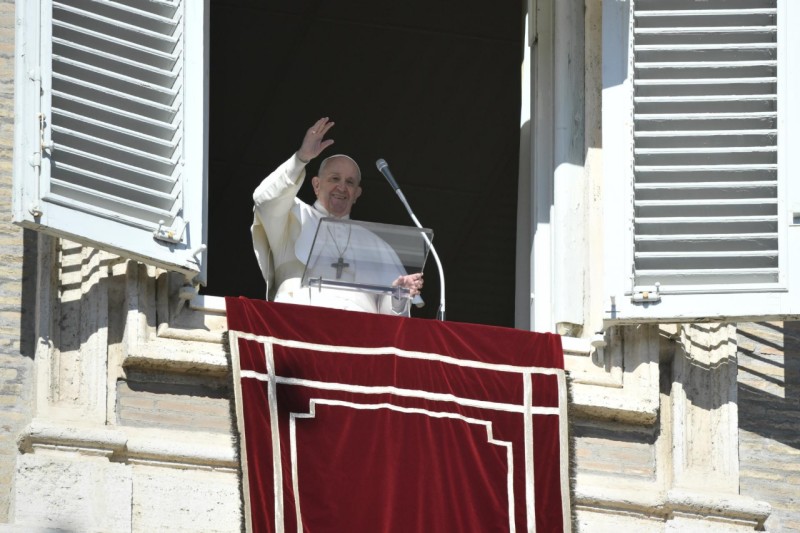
(273, 199)
(278, 190)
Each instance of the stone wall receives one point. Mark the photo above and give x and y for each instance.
(133, 430)
(17, 278)
(183, 402)
(769, 419)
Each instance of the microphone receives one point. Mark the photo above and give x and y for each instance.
(383, 168)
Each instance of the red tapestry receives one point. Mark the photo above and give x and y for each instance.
(353, 422)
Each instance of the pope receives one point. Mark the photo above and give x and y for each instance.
(284, 228)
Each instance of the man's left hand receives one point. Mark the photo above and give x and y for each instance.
(412, 282)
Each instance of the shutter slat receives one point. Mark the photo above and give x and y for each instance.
(697, 255)
(120, 152)
(160, 105)
(695, 186)
(140, 141)
(704, 98)
(679, 280)
(110, 203)
(708, 238)
(143, 16)
(705, 116)
(718, 203)
(738, 30)
(163, 124)
(686, 262)
(112, 45)
(160, 33)
(730, 220)
(717, 81)
(711, 13)
(121, 189)
(704, 64)
(101, 165)
(705, 133)
(142, 89)
(132, 69)
(704, 168)
(706, 150)
(686, 276)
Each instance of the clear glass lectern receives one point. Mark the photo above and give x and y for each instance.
(365, 256)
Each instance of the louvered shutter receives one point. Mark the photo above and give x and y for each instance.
(111, 126)
(710, 232)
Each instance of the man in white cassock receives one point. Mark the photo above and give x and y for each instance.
(284, 228)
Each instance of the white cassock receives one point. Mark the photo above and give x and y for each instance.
(283, 231)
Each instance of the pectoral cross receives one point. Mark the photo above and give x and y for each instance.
(339, 266)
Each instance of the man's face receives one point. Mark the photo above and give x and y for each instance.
(337, 187)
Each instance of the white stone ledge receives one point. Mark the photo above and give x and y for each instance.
(597, 494)
(75, 436)
(647, 502)
(210, 304)
(181, 448)
(179, 356)
(576, 346)
(732, 506)
(166, 331)
(613, 404)
(158, 447)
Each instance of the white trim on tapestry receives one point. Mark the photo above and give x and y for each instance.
(527, 402)
(408, 410)
(277, 467)
(390, 350)
(406, 393)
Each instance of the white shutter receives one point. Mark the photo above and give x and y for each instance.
(708, 225)
(111, 125)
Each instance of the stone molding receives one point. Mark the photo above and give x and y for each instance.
(162, 447)
(618, 378)
(651, 501)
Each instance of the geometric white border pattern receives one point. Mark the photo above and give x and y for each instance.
(525, 408)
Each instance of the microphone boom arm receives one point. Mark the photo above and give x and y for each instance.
(383, 167)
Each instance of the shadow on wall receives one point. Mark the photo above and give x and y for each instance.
(30, 272)
(769, 380)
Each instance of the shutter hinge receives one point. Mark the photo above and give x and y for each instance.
(36, 157)
(646, 294)
(44, 145)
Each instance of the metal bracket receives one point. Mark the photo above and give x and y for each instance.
(646, 295)
(171, 235)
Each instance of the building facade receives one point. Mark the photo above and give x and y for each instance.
(115, 398)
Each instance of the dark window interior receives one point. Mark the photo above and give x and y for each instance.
(432, 87)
